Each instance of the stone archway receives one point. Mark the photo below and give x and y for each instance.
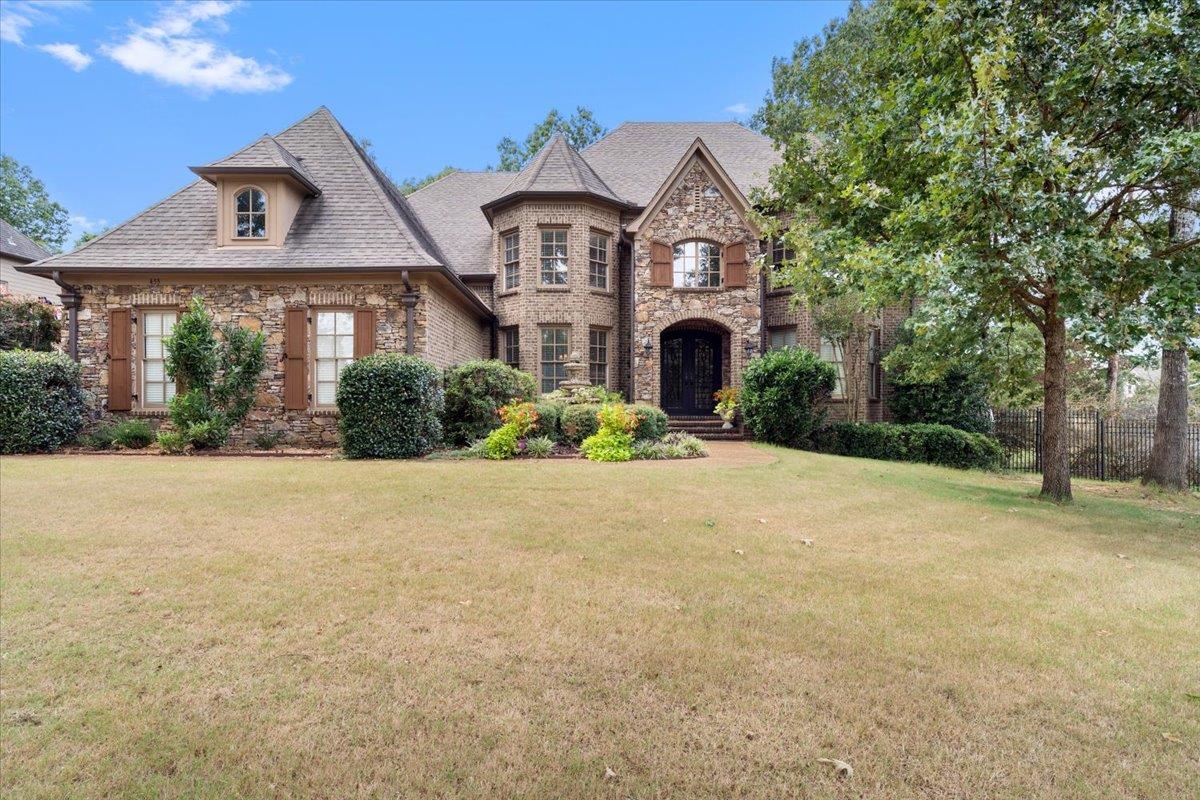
(694, 361)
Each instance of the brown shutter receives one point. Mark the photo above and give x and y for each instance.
(364, 332)
(120, 376)
(735, 266)
(295, 354)
(660, 264)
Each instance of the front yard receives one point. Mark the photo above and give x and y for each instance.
(214, 627)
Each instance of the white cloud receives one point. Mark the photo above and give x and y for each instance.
(18, 16)
(87, 223)
(738, 108)
(69, 54)
(174, 50)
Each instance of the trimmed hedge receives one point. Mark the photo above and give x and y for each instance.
(475, 392)
(42, 402)
(391, 407)
(549, 417)
(783, 395)
(578, 422)
(918, 442)
(958, 399)
(652, 422)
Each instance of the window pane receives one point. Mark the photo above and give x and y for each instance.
(243, 225)
(154, 347)
(154, 394)
(243, 200)
(258, 226)
(345, 346)
(168, 322)
(325, 322)
(345, 322)
(155, 371)
(170, 389)
(326, 369)
(325, 346)
(259, 201)
(326, 394)
(151, 323)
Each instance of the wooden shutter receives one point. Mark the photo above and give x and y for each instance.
(364, 332)
(120, 374)
(735, 266)
(295, 354)
(660, 264)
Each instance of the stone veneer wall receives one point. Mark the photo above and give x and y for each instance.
(736, 311)
(577, 306)
(258, 306)
(453, 334)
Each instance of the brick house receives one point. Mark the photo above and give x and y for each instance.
(637, 253)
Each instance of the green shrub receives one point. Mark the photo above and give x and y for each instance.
(652, 422)
(539, 446)
(921, 443)
(133, 434)
(28, 325)
(958, 399)
(650, 450)
(101, 437)
(41, 401)
(391, 407)
(613, 441)
(501, 443)
(578, 422)
(783, 395)
(549, 416)
(476, 449)
(172, 442)
(267, 439)
(593, 395)
(475, 392)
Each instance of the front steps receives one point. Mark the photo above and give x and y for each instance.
(706, 427)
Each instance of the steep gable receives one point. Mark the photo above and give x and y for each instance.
(696, 159)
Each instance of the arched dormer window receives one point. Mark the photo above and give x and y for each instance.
(250, 213)
(697, 265)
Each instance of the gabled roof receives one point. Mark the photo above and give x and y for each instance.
(18, 246)
(635, 158)
(360, 221)
(266, 156)
(450, 209)
(697, 152)
(557, 169)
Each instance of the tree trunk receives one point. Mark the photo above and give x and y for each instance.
(1056, 459)
(1113, 384)
(1168, 456)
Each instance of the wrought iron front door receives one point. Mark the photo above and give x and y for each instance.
(691, 371)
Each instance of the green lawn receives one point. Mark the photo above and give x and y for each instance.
(207, 627)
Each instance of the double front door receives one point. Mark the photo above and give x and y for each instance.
(691, 371)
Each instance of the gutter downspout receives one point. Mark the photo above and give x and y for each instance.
(71, 300)
(409, 299)
(632, 315)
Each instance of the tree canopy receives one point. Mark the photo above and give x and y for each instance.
(580, 130)
(1008, 163)
(27, 206)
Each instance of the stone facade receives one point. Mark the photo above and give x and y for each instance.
(260, 306)
(577, 305)
(694, 209)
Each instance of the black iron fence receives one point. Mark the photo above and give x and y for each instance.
(1105, 448)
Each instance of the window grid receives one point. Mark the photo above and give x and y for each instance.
(512, 347)
(782, 337)
(831, 351)
(697, 265)
(554, 257)
(512, 260)
(874, 372)
(335, 350)
(251, 214)
(157, 387)
(598, 261)
(554, 358)
(598, 357)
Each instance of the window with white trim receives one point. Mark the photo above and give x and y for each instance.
(832, 352)
(250, 213)
(598, 356)
(598, 261)
(334, 350)
(554, 358)
(157, 387)
(697, 265)
(512, 260)
(554, 257)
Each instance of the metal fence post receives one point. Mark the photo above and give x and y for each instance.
(1101, 454)
(1037, 440)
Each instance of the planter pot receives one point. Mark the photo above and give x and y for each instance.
(727, 424)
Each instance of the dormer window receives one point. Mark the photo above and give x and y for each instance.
(250, 206)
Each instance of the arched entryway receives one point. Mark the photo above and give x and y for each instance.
(695, 363)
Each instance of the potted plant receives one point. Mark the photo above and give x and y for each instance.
(727, 404)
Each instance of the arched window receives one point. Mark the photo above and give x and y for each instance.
(697, 265)
(250, 206)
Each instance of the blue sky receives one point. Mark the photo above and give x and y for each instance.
(109, 102)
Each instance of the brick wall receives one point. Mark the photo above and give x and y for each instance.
(452, 333)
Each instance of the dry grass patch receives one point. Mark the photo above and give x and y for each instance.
(286, 628)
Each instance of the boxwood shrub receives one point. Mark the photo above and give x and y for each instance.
(42, 403)
(918, 442)
(783, 395)
(391, 407)
(549, 419)
(475, 391)
(578, 422)
(652, 422)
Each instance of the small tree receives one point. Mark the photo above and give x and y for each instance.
(847, 327)
(28, 325)
(217, 378)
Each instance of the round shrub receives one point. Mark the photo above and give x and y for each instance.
(41, 401)
(391, 407)
(475, 391)
(133, 434)
(578, 422)
(549, 416)
(783, 395)
(652, 422)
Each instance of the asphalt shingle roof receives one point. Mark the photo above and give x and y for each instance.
(266, 153)
(636, 157)
(359, 220)
(449, 207)
(17, 245)
(558, 169)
